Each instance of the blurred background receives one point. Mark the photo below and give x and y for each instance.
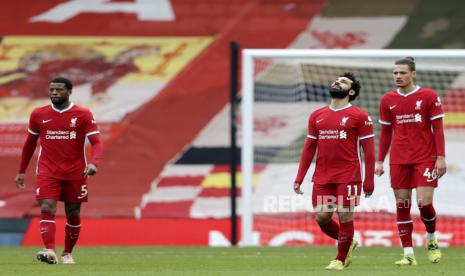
(156, 75)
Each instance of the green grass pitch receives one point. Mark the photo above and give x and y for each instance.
(267, 261)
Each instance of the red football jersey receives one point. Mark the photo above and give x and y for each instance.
(62, 135)
(339, 132)
(410, 116)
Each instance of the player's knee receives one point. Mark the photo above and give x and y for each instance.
(48, 206)
(73, 213)
(72, 210)
(403, 203)
(345, 216)
(323, 218)
(424, 200)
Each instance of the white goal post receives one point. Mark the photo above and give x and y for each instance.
(345, 58)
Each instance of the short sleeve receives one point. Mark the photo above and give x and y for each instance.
(365, 127)
(90, 125)
(312, 132)
(435, 107)
(385, 117)
(34, 126)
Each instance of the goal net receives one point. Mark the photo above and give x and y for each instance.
(280, 88)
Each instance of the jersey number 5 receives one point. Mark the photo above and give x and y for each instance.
(83, 192)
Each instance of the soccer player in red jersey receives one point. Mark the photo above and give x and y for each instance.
(411, 124)
(337, 131)
(62, 169)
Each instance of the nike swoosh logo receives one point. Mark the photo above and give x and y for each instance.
(46, 121)
(392, 106)
(317, 121)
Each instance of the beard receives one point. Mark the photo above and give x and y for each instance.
(58, 101)
(338, 93)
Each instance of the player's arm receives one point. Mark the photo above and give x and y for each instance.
(368, 146)
(306, 157)
(97, 150)
(308, 152)
(27, 152)
(385, 136)
(366, 138)
(438, 133)
(436, 117)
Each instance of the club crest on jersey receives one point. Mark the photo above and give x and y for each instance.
(344, 121)
(418, 105)
(73, 122)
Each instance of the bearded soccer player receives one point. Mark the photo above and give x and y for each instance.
(411, 124)
(62, 170)
(337, 131)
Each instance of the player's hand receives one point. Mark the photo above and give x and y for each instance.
(379, 169)
(440, 167)
(368, 194)
(91, 169)
(297, 189)
(368, 189)
(19, 179)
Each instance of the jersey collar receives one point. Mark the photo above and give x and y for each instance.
(62, 110)
(340, 108)
(409, 93)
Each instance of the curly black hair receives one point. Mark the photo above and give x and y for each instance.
(67, 82)
(356, 86)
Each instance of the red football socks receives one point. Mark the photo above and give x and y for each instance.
(72, 229)
(47, 230)
(404, 223)
(428, 216)
(346, 234)
(331, 229)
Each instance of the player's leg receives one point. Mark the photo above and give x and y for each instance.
(47, 194)
(326, 222)
(72, 230)
(74, 194)
(428, 216)
(47, 231)
(426, 181)
(346, 237)
(348, 198)
(405, 225)
(332, 229)
(324, 214)
(324, 204)
(401, 183)
(427, 212)
(47, 222)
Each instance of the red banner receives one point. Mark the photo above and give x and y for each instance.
(374, 231)
(134, 232)
(371, 229)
